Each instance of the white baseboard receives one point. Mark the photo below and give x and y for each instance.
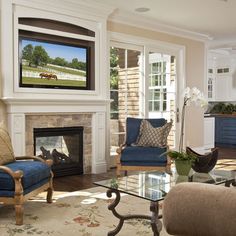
(99, 168)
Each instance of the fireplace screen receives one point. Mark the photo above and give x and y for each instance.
(62, 145)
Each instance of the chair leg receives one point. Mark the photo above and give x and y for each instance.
(19, 208)
(50, 191)
(49, 195)
(118, 169)
(168, 169)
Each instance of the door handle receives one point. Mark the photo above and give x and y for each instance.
(177, 115)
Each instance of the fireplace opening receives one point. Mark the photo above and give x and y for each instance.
(63, 145)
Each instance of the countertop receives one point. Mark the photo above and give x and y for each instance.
(221, 115)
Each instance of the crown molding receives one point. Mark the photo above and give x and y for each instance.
(222, 43)
(96, 8)
(135, 20)
(76, 8)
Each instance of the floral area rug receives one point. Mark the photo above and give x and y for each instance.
(81, 213)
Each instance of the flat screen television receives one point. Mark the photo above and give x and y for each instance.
(55, 63)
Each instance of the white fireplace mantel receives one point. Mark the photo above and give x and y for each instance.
(35, 105)
(18, 109)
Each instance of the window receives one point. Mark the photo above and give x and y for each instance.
(124, 90)
(114, 77)
(162, 89)
(161, 69)
(124, 82)
(222, 70)
(210, 82)
(210, 88)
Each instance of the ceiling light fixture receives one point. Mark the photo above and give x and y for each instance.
(142, 9)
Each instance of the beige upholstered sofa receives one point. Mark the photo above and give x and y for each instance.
(196, 209)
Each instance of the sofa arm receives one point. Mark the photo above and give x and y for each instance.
(200, 209)
(48, 162)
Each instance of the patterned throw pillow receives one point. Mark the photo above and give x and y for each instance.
(153, 137)
(6, 153)
(166, 130)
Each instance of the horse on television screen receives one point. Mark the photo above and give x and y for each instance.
(48, 76)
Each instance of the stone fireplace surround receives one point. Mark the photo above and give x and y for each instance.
(62, 120)
(24, 115)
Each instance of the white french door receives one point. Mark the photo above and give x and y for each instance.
(126, 78)
(145, 81)
(162, 88)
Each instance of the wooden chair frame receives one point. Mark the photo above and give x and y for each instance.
(120, 167)
(19, 198)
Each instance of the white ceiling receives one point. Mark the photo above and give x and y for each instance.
(216, 19)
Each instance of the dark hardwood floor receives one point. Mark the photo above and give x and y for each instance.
(79, 182)
(227, 153)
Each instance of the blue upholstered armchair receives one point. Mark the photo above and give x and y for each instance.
(132, 157)
(22, 177)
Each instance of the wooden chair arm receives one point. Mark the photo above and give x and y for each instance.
(48, 162)
(169, 160)
(119, 151)
(15, 175)
(120, 148)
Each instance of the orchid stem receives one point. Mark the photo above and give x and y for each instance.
(181, 141)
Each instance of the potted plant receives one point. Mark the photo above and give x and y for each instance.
(184, 160)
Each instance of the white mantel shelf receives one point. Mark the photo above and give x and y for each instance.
(23, 105)
(11, 100)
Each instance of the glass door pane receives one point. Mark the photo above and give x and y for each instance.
(162, 90)
(125, 71)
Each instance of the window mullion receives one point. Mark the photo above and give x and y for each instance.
(126, 82)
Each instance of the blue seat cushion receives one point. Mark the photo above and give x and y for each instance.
(35, 174)
(144, 156)
(133, 126)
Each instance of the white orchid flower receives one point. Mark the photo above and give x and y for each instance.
(187, 93)
(190, 95)
(203, 101)
(204, 104)
(194, 95)
(195, 91)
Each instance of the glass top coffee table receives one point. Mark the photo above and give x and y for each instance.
(154, 186)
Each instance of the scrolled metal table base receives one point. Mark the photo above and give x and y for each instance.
(154, 218)
(229, 182)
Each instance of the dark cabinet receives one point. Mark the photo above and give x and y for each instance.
(225, 131)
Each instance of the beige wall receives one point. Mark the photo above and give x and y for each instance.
(195, 56)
